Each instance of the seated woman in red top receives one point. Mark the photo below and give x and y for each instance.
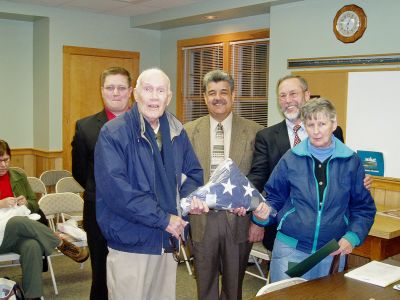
(19, 234)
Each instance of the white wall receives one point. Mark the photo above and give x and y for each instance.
(16, 91)
(66, 27)
(170, 37)
(305, 29)
(374, 127)
(298, 30)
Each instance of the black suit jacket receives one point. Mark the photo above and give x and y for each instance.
(270, 145)
(86, 133)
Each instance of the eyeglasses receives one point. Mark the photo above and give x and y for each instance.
(175, 249)
(5, 160)
(120, 88)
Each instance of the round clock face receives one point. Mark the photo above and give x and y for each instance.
(348, 23)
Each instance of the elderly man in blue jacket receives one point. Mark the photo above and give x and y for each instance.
(141, 159)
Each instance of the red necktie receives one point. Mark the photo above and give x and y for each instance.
(297, 139)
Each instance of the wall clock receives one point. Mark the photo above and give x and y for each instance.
(349, 23)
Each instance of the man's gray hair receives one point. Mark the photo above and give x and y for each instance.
(302, 80)
(150, 70)
(217, 76)
(316, 106)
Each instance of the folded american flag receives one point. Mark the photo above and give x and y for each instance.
(227, 189)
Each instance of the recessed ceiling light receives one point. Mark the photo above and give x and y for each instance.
(210, 17)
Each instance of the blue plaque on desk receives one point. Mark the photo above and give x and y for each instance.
(372, 162)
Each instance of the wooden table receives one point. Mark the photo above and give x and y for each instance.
(383, 239)
(333, 287)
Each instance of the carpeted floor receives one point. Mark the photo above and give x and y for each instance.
(74, 283)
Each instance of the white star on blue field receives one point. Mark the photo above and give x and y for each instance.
(228, 188)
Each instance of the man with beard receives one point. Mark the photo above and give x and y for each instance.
(273, 142)
(221, 238)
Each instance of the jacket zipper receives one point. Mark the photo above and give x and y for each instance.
(154, 185)
(320, 206)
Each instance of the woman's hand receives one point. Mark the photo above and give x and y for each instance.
(262, 211)
(8, 202)
(21, 200)
(344, 247)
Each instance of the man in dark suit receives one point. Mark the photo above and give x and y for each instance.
(220, 238)
(273, 142)
(116, 91)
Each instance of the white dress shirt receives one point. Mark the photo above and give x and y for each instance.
(227, 125)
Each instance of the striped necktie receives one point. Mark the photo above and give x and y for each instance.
(218, 151)
(297, 139)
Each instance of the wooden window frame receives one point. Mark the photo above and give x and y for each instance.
(225, 39)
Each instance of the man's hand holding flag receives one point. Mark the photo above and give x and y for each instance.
(227, 189)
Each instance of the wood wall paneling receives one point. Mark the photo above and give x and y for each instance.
(34, 162)
(386, 191)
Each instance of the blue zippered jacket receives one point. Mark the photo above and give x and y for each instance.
(347, 209)
(127, 209)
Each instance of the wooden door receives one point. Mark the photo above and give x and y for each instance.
(331, 85)
(81, 94)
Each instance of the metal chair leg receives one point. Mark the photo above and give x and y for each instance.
(53, 278)
(185, 258)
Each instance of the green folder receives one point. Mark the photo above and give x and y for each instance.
(298, 269)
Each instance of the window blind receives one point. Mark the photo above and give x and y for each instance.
(249, 67)
(198, 61)
(247, 61)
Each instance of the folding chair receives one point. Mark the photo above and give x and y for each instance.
(60, 203)
(258, 251)
(14, 259)
(51, 177)
(37, 186)
(69, 184)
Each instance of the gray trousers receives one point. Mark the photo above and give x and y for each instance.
(31, 240)
(219, 253)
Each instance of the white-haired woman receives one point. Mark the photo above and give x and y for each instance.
(317, 189)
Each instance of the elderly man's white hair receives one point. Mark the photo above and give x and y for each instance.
(151, 70)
